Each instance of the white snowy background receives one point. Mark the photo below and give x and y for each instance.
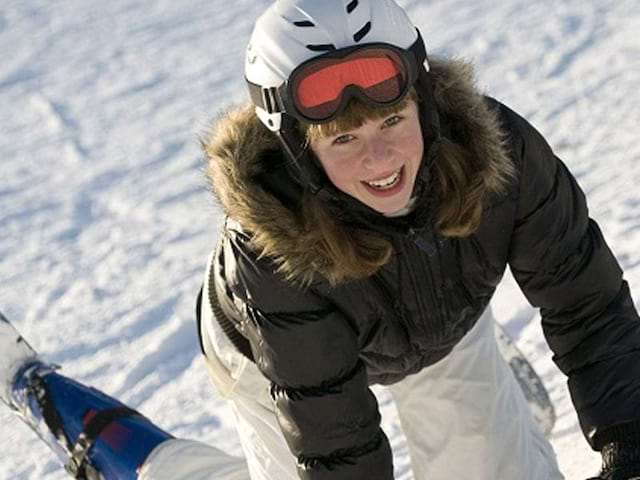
(106, 223)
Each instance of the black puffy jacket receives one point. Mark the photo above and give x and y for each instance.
(322, 347)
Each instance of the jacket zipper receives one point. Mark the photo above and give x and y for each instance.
(395, 303)
(455, 267)
(431, 308)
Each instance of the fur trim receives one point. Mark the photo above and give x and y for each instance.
(236, 143)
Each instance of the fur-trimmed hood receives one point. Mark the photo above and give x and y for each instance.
(238, 148)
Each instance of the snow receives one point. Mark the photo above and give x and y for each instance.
(105, 221)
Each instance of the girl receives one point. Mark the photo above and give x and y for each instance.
(374, 199)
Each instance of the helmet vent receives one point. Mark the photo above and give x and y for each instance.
(360, 34)
(322, 48)
(352, 6)
(304, 23)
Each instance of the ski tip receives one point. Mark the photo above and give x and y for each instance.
(11, 341)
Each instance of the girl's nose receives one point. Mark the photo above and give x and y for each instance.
(377, 152)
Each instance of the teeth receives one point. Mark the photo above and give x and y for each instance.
(386, 182)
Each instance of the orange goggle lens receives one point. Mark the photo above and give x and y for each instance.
(318, 88)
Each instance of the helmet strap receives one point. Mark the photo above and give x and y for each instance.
(429, 117)
(302, 167)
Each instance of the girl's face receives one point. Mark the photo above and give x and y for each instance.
(376, 163)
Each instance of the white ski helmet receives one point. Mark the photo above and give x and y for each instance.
(290, 32)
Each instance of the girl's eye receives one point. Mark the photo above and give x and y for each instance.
(342, 139)
(389, 122)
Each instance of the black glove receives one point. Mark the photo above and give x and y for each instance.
(618, 475)
(620, 461)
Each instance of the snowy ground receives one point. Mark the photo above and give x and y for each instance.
(105, 222)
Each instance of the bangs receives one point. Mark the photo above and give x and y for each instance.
(355, 114)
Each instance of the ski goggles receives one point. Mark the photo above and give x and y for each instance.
(318, 90)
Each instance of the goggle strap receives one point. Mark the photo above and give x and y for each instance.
(419, 50)
(267, 99)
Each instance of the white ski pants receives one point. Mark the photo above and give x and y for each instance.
(464, 417)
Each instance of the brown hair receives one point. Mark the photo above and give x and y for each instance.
(463, 182)
(355, 115)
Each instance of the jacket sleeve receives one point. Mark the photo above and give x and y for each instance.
(310, 354)
(563, 265)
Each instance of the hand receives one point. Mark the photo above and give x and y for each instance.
(620, 460)
(628, 473)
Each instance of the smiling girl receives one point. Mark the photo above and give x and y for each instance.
(374, 199)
